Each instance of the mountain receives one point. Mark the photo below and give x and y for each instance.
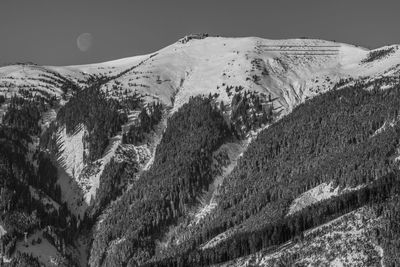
(232, 151)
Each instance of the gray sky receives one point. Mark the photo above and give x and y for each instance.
(45, 31)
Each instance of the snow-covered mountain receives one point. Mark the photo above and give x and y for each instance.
(284, 73)
(291, 70)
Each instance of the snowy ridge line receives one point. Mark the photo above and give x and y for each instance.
(303, 50)
(133, 67)
(282, 45)
(308, 54)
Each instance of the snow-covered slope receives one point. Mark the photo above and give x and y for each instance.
(290, 70)
(36, 79)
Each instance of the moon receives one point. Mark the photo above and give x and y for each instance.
(84, 41)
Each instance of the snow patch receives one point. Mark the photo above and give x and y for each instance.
(47, 118)
(72, 150)
(380, 251)
(2, 231)
(314, 195)
(217, 239)
(72, 153)
(233, 151)
(385, 126)
(336, 263)
(46, 253)
(71, 193)
(204, 211)
(92, 182)
(49, 203)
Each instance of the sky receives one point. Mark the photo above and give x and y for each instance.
(46, 31)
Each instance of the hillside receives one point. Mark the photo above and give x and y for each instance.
(184, 155)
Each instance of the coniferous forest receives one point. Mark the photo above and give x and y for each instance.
(333, 137)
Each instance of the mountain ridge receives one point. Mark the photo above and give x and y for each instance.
(197, 52)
